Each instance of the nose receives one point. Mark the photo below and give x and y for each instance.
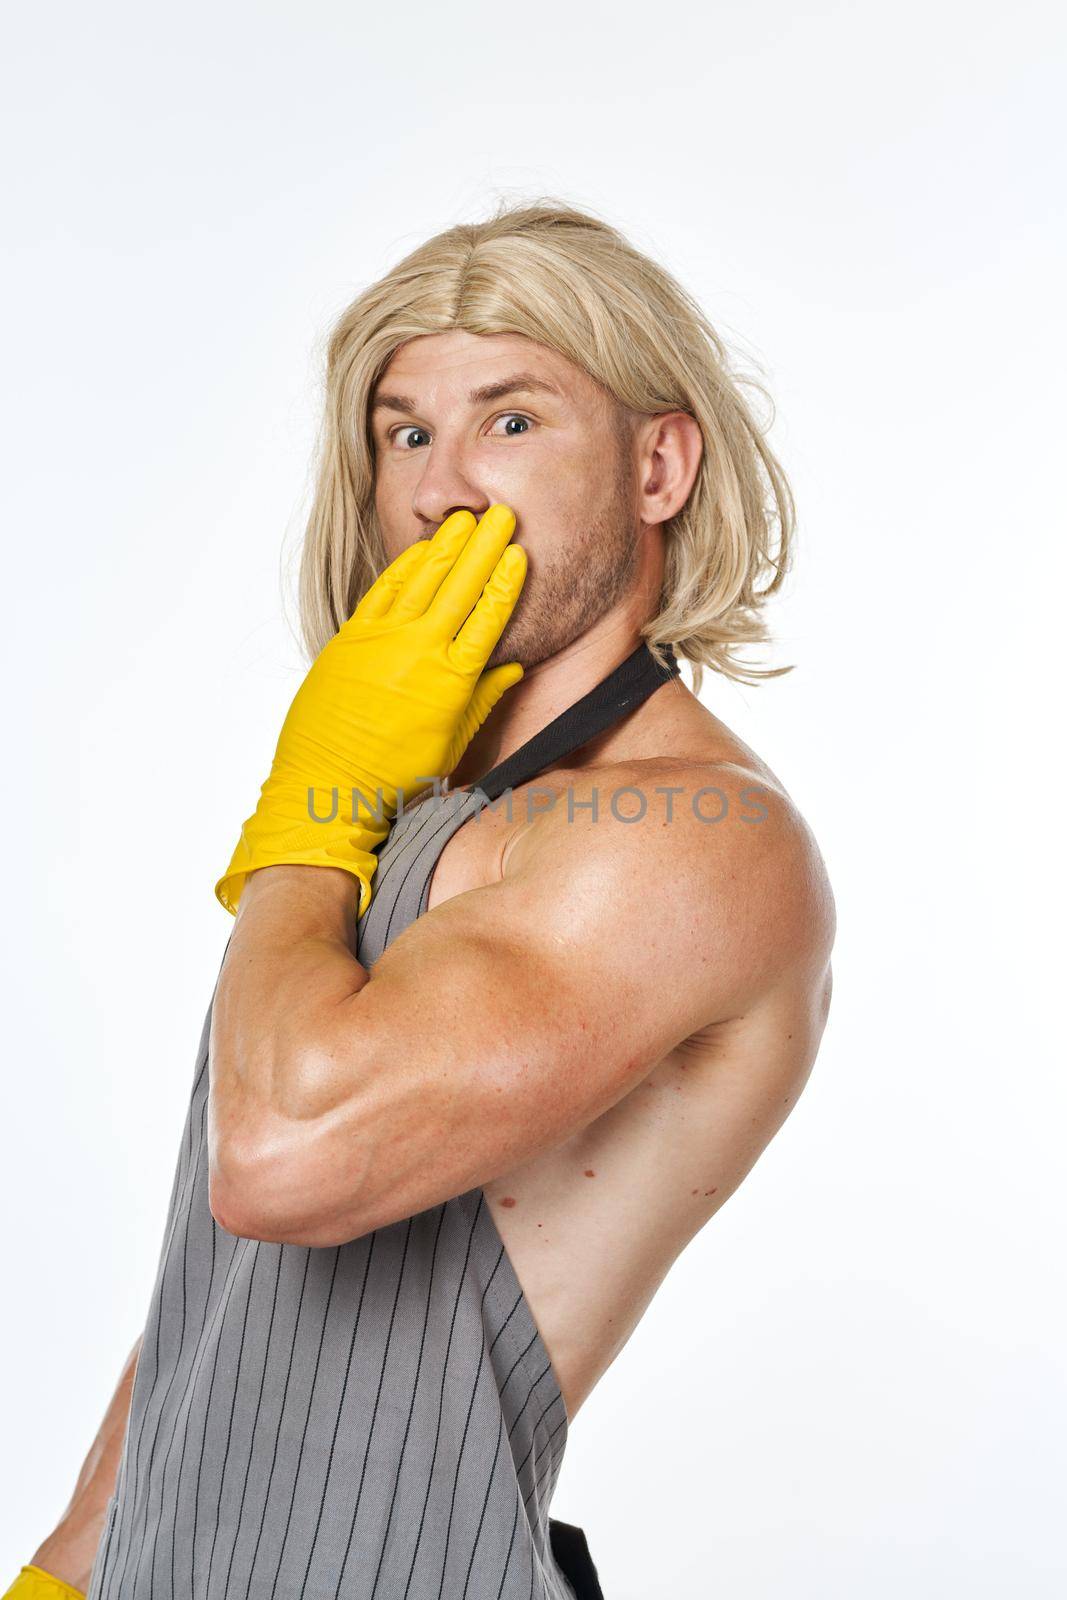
(444, 485)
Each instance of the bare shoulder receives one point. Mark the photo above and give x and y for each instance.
(707, 866)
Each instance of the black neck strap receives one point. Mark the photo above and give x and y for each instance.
(632, 681)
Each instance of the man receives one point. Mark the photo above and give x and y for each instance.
(474, 1073)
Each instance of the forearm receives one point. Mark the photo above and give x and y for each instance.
(70, 1550)
(390, 703)
(289, 965)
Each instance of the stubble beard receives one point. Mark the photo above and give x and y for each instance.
(566, 593)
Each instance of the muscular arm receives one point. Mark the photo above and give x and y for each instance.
(69, 1551)
(499, 1023)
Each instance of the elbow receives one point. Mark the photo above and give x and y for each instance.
(249, 1206)
(257, 1121)
(288, 1183)
(233, 1194)
(255, 1184)
(226, 1217)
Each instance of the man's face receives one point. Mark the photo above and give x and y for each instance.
(463, 419)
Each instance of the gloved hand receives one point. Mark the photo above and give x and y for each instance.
(34, 1583)
(390, 703)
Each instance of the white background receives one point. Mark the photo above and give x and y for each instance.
(852, 1382)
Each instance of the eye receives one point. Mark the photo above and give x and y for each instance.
(412, 428)
(515, 416)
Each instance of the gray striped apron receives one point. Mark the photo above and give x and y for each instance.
(375, 1421)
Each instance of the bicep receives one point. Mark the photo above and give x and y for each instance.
(510, 1017)
(492, 1029)
(496, 1027)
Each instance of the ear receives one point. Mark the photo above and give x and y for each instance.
(669, 448)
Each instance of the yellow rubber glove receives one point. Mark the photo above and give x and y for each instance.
(390, 703)
(34, 1583)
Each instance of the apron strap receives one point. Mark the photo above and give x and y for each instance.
(607, 702)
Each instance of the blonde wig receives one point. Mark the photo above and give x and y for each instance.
(571, 282)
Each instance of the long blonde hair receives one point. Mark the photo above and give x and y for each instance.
(571, 282)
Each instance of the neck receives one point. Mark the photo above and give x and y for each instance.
(543, 693)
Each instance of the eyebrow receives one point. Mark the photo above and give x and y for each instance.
(518, 383)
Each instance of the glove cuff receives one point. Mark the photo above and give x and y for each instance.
(34, 1583)
(352, 851)
(285, 830)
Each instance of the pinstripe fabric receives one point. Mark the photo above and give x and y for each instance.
(376, 1421)
(379, 1420)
